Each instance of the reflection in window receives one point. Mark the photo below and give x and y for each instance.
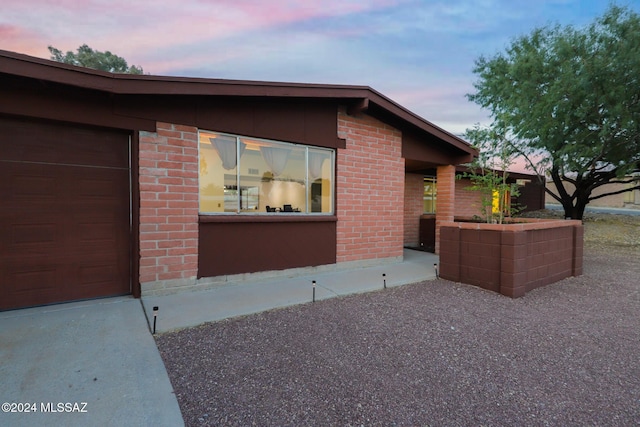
(429, 196)
(241, 174)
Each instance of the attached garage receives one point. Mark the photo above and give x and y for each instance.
(65, 212)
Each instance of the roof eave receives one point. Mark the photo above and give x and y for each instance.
(136, 84)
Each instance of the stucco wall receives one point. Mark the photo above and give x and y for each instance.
(369, 190)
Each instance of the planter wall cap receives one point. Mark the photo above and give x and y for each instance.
(520, 225)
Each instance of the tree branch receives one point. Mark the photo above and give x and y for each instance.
(552, 194)
(613, 193)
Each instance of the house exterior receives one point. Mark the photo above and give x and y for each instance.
(129, 184)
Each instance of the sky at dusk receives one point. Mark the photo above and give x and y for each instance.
(419, 53)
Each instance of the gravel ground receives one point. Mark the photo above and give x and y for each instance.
(434, 353)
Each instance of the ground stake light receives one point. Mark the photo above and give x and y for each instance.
(314, 291)
(155, 316)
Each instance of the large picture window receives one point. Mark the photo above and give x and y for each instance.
(250, 175)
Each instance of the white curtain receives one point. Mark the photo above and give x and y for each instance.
(226, 148)
(276, 158)
(316, 161)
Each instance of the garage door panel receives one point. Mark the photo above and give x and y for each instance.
(42, 282)
(65, 231)
(19, 238)
(98, 232)
(32, 236)
(36, 188)
(91, 275)
(37, 279)
(43, 142)
(37, 283)
(99, 189)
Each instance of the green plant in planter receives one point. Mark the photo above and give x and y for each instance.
(489, 176)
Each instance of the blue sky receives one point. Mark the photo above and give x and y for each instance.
(419, 53)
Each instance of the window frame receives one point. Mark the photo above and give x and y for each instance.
(331, 152)
(434, 193)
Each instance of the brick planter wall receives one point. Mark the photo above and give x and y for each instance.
(511, 259)
(168, 206)
(369, 190)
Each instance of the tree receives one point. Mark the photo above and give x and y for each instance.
(570, 101)
(489, 176)
(87, 57)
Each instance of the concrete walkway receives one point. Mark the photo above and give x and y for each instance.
(95, 358)
(188, 309)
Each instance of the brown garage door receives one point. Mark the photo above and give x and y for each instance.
(64, 213)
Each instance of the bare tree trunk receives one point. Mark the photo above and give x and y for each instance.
(573, 204)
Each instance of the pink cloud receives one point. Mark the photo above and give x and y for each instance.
(23, 40)
(129, 28)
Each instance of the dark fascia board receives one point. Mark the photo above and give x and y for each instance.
(131, 84)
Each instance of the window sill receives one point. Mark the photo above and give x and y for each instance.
(277, 217)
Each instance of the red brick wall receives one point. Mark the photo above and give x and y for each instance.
(413, 208)
(468, 202)
(445, 204)
(168, 203)
(369, 190)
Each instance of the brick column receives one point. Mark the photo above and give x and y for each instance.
(445, 204)
(369, 190)
(413, 207)
(168, 207)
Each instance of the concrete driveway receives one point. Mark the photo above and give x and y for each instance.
(91, 363)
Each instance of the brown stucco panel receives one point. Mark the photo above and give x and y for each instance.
(247, 247)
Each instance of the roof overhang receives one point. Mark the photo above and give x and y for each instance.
(357, 98)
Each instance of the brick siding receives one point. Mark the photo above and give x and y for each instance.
(445, 205)
(413, 208)
(168, 204)
(468, 202)
(369, 190)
